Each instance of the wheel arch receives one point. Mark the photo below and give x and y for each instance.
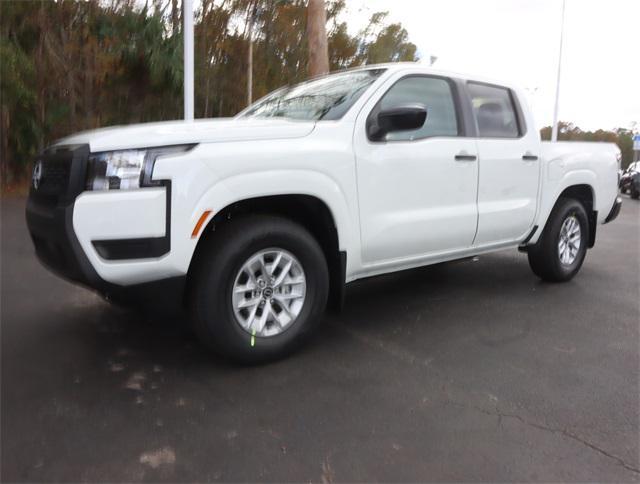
(309, 211)
(584, 193)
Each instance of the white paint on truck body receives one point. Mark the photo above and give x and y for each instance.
(395, 205)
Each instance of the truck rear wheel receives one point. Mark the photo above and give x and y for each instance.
(258, 288)
(561, 249)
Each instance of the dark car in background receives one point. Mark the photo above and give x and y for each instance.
(630, 180)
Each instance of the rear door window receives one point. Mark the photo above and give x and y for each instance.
(494, 110)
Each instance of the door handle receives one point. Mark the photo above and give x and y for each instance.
(528, 156)
(464, 156)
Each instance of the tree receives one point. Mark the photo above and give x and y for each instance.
(385, 43)
(317, 38)
(67, 66)
(252, 13)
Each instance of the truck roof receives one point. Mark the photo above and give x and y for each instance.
(424, 69)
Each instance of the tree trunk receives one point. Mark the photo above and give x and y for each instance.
(4, 150)
(317, 38)
(175, 18)
(206, 91)
(41, 80)
(252, 18)
(250, 70)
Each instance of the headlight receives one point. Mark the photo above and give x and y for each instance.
(115, 170)
(126, 169)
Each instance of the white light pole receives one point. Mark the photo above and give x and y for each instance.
(187, 38)
(554, 130)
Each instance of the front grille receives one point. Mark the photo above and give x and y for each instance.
(59, 175)
(55, 176)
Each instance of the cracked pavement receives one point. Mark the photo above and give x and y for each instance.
(467, 371)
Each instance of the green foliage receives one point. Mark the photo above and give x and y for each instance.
(73, 65)
(20, 131)
(385, 43)
(570, 132)
(391, 45)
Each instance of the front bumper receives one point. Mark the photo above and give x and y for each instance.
(58, 250)
(56, 245)
(615, 210)
(60, 179)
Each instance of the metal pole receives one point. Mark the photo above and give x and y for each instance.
(187, 6)
(554, 130)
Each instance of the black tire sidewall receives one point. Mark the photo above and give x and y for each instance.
(214, 316)
(564, 210)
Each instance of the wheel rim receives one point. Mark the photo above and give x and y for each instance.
(269, 292)
(570, 240)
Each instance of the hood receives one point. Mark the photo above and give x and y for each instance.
(166, 133)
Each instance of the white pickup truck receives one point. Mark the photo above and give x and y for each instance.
(257, 222)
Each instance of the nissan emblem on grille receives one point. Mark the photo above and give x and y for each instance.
(37, 174)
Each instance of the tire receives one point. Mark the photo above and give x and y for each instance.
(545, 255)
(635, 194)
(221, 265)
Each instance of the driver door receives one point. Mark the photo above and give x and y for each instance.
(417, 189)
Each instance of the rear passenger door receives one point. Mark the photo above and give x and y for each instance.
(509, 167)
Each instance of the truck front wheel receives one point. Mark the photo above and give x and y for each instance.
(259, 287)
(561, 249)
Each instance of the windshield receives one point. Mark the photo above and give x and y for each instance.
(328, 98)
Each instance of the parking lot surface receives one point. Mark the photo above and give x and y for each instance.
(467, 371)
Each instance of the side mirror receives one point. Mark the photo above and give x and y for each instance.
(407, 117)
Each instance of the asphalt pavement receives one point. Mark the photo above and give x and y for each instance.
(466, 371)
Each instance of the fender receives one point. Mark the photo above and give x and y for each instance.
(281, 182)
(554, 184)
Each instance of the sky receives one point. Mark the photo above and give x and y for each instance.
(518, 41)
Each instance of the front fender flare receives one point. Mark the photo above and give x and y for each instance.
(282, 182)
